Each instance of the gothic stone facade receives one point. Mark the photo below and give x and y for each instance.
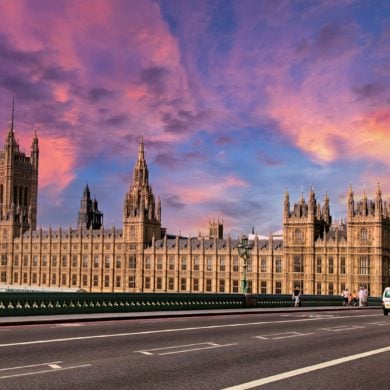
(313, 254)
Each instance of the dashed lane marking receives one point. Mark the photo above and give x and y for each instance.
(279, 336)
(342, 328)
(304, 370)
(182, 348)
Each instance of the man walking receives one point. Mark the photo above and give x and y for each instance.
(345, 295)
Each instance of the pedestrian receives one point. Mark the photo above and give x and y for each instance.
(296, 297)
(345, 295)
(365, 296)
(354, 298)
(361, 295)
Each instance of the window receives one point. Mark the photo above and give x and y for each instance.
(263, 264)
(222, 266)
(278, 264)
(235, 263)
(342, 287)
(183, 284)
(74, 280)
(249, 265)
(16, 277)
(183, 263)
(132, 262)
(107, 261)
(63, 279)
(106, 280)
(318, 288)
(85, 261)
(44, 261)
(35, 261)
(44, 281)
(159, 262)
(85, 280)
(16, 260)
(209, 263)
(221, 285)
(195, 284)
(74, 261)
(364, 265)
(298, 263)
(147, 264)
(330, 265)
(330, 289)
(53, 278)
(118, 262)
(3, 278)
(25, 261)
(95, 280)
(64, 261)
(249, 287)
(363, 235)
(171, 263)
(298, 235)
(118, 281)
(131, 281)
(54, 261)
(4, 259)
(96, 261)
(196, 263)
(208, 285)
(319, 265)
(159, 283)
(25, 277)
(171, 284)
(147, 282)
(263, 287)
(235, 286)
(342, 266)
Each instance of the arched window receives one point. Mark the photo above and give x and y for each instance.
(298, 235)
(363, 235)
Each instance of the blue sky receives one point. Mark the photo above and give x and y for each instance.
(236, 100)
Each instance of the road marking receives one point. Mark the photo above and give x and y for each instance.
(342, 328)
(45, 371)
(29, 366)
(279, 336)
(380, 323)
(304, 370)
(70, 325)
(101, 336)
(178, 348)
(54, 366)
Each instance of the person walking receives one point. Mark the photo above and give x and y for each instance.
(361, 295)
(365, 296)
(345, 295)
(296, 297)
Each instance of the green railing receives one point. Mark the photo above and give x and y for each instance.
(41, 303)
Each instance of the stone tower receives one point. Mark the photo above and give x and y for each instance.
(216, 229)
(302, 227)
(18, 186)
(141, 214)
(89, 216)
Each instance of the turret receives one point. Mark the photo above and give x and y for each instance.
(350, 203)
(378, 203)
(286, 204)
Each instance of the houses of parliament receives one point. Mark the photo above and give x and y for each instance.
(140, 256)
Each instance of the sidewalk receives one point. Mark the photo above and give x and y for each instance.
(69, 318)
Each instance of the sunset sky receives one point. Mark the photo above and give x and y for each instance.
(236, 100)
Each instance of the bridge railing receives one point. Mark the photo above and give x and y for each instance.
(40, 303)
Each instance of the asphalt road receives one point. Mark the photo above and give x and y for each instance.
(295, 350)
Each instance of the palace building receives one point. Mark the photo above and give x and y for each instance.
(313, 254)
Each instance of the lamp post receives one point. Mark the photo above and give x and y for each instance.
(243, 251)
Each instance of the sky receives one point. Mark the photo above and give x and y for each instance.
(236, 101)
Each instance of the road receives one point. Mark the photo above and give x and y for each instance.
(295, 350)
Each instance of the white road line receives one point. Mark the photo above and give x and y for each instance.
(29, 366)
(196, 349)
(54, 366)
(44, 371)
(304, 370)
(70, 325)
(204, 345)
(281, 335)
(380, 323)
(101, 336)
(342, 327)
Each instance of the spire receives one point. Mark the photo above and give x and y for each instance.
(11, 123)
(141, 152)
(378, 192)
(141, 174)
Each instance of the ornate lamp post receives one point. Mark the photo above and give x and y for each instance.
(244, 252)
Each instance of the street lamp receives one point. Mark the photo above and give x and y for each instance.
(244, 252)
